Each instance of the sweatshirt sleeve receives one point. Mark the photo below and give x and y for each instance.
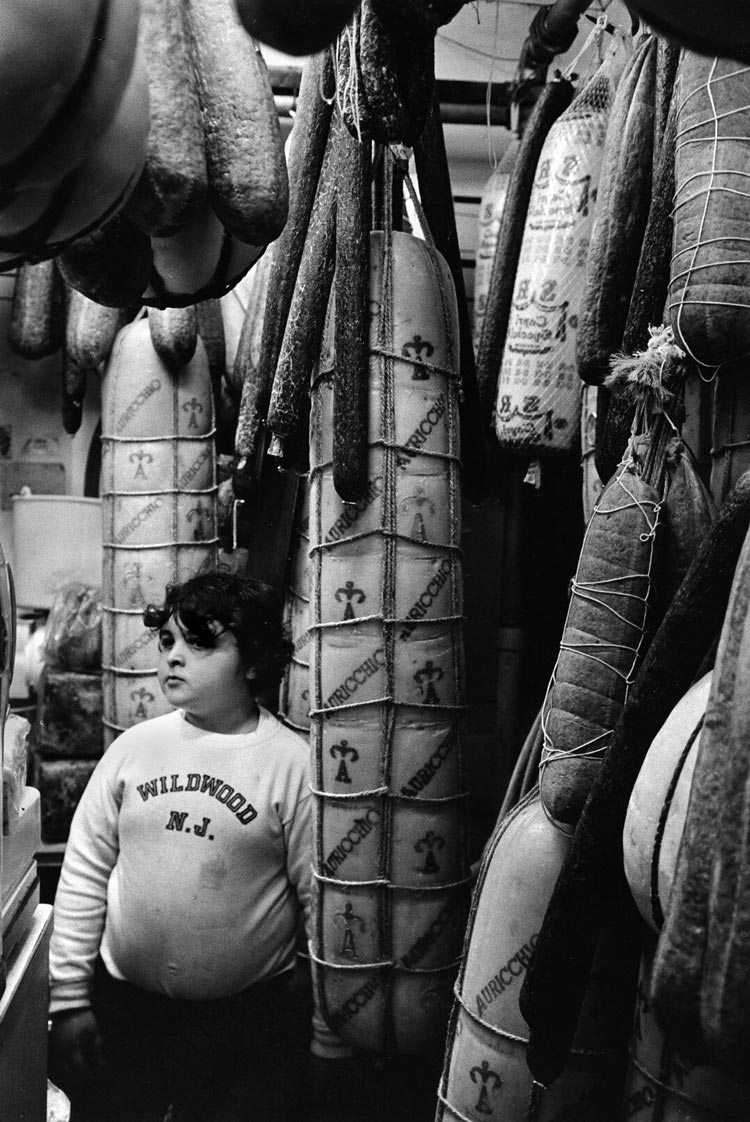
(81, 898)
(299, 868)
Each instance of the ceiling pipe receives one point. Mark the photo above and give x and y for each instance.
(552, 32)
(461, 103)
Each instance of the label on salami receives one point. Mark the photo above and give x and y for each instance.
(488, 1080)
(386, 674)
(131, 698)
(349, 752)
(350, 838)
(539, 391)
(126, 643)
(426, 754)
(140, 398)
(349, 924)
(159, 518)
(426, 844)
(137, 576)
(157, 465)
(426, 668)
(488, 227)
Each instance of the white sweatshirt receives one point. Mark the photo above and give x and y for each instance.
(188, 859)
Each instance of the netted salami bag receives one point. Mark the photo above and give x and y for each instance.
(538, 403)
(709, 294)
(490, 216)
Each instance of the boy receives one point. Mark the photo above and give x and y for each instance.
(176, 913)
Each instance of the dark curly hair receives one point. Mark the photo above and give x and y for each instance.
(248, 608)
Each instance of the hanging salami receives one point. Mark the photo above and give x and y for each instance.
(709, 296)
(538, 402)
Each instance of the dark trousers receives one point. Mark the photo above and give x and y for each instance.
(226, 1060)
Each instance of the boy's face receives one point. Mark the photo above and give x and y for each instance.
(206, 681)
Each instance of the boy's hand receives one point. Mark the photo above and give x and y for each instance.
(75, 1049)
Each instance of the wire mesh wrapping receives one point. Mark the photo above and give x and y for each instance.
(386, 657)
(538, 404)
(158, 489)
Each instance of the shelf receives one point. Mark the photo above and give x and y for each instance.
(23, 1025)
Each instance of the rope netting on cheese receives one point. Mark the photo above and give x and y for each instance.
(485, 1073)
(662, 1083)
(538, 402)
(390, 864)
(294, 695)
(158, 489)
(709, 290)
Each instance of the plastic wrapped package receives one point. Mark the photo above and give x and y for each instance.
(14, 768)
(58, 1104)
(74, 628)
